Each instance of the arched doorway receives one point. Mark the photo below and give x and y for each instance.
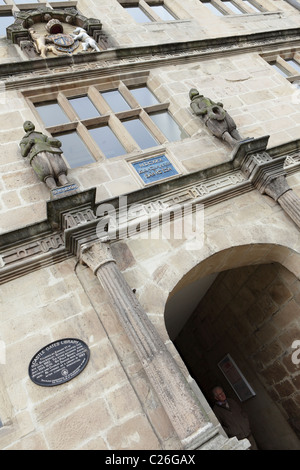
(250, 309)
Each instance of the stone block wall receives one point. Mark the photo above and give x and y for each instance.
(110, 405)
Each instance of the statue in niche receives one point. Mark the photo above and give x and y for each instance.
(215, 118)
(81, 35)
(44, 154)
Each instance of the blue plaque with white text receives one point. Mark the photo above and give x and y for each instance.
(155, 169)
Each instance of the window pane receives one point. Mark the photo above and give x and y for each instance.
(163, 13)
(144, 96)
(252, 6)
(25, 1)
(107, 141)
(52, 114)
(213, 9)
(140, 134)
(74, 149)
(232, 7)
(280, 69)
(168, 126)
(138, 15)
(116, 101)
(294, 64)
(5, 21)
(84, 107)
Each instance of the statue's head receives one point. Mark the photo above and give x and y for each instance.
(193, 93)
(28, 126)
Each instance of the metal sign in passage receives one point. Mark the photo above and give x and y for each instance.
(59, 362)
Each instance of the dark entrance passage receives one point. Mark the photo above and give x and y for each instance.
(253, 314)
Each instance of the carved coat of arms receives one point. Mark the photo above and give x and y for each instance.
(63, 42)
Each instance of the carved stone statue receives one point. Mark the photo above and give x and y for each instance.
(40, 43)
(44, 154)
(215, 118)
(81, 35)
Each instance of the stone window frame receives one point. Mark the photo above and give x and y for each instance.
(240, 4)
(145, 6)
(7, 10)
(279, 58)
(107, 117)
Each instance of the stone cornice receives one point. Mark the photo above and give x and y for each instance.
(74, 220)
(18, 75)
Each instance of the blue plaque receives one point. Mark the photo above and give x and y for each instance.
(155, 169)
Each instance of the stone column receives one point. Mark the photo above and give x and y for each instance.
(278, 188)
(268, 175)
(177, 398)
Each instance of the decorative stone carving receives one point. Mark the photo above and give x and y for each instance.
(44, 154)
(276, 186)
(88, 42)
(215, 118)
(96, 255)
(268, 175)
(50, 31)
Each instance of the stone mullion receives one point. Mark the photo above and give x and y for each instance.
(171, 387)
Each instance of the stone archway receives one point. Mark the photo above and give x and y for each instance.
(250, 308)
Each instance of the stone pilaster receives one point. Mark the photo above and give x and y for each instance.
(269, 177)
(186, 415)
(278, 189)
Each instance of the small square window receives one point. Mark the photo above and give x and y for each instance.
(144, 96)
(116, 101)
(138, 15)
(280, 69)
(168, 126)
(52, 114)
(233, 7)
(294, 64)
(84, 107)
(140, 133)
(107, 141)
(74, 150)
(163, 13)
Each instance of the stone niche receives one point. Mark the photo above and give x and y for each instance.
(44, 32)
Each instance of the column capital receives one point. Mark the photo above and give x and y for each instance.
(267, 174)
(95, 255)
(276, 186)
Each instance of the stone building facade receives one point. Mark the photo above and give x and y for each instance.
(168, 249)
